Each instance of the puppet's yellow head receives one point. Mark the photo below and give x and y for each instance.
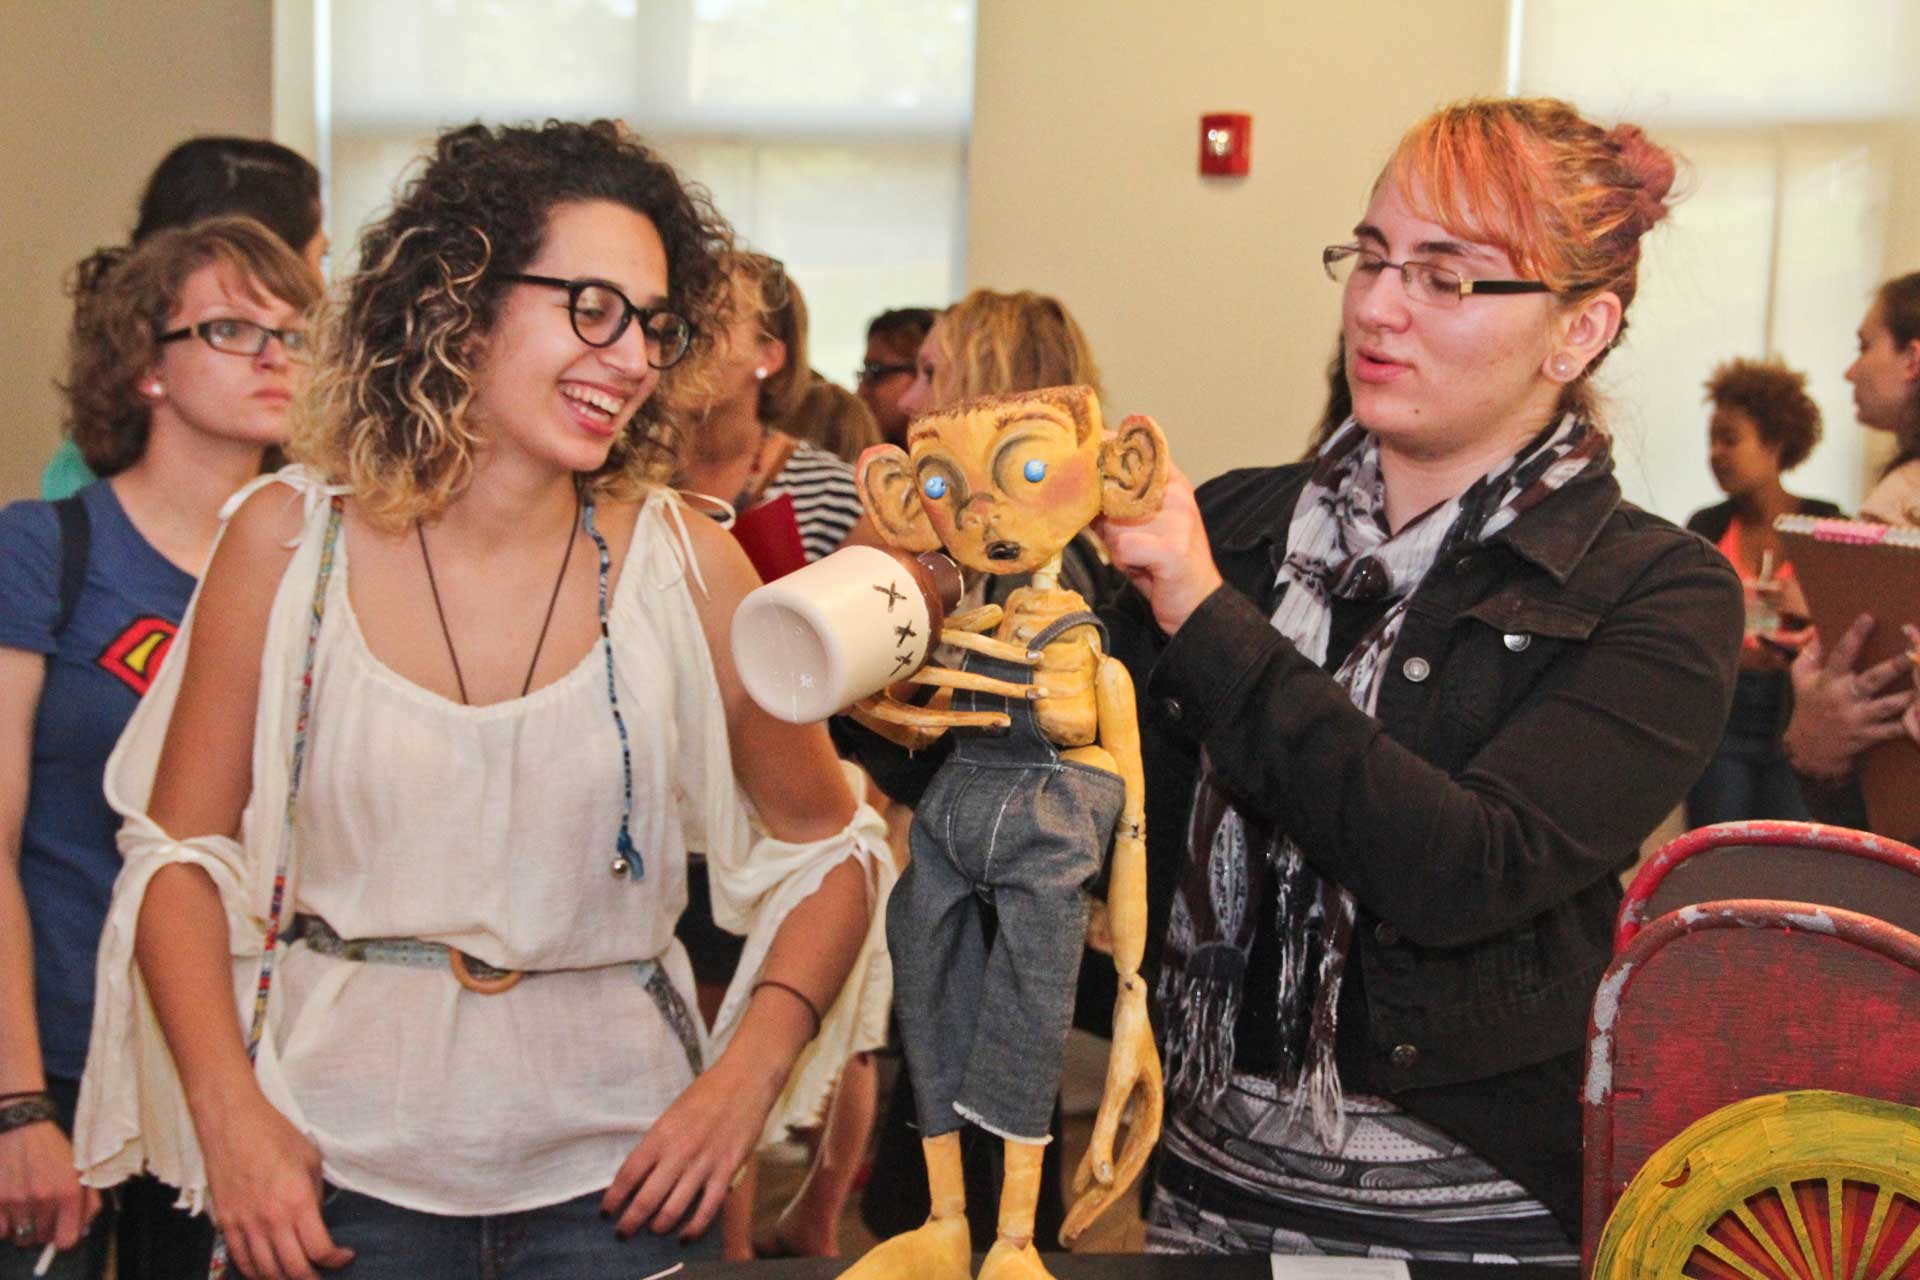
(1005, 482)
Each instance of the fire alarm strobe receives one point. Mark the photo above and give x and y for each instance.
(1226, 144)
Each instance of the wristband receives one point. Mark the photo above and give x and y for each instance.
(31, 1109)
(796, 993)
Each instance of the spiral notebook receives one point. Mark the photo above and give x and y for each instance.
(1847, 568)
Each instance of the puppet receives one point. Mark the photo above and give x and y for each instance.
(1043, 775)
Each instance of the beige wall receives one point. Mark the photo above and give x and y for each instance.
(1203, 298)
(97, 91)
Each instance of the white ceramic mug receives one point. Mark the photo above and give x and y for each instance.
(846, 626)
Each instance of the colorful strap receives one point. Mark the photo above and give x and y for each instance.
(217, 1268)
(626, 857)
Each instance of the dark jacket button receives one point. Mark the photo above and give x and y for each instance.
(1173, 709)
(1404, 1056)
(1386, 933)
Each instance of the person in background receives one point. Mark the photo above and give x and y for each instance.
(1763, 424)
(1435, 686)
(207, 178)
(793, 501)
(453, 699)
(1886, 395)
(893, 344)
(183, 361)
(833, 418)
(1838, 710)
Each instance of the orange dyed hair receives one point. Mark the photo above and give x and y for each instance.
(1566, 199)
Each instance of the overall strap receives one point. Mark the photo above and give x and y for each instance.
(76, 545)
(1060, 626)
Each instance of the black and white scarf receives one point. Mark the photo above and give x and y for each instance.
(1338, 544)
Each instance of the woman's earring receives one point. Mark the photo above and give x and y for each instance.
(1562, 367)
(760, 374)
(154, 390)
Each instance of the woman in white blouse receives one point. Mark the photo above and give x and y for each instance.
(453, 702)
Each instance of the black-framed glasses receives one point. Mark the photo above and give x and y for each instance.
(600, 314)
(241, 337)
(875, 372)
(1425, 282)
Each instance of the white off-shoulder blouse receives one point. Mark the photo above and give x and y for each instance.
(492, 830)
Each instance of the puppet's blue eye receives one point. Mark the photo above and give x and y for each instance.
(936, 487)
(1035, 470)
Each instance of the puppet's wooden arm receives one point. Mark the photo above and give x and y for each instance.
(1133, 1070)
(912, 727)
(982, 619)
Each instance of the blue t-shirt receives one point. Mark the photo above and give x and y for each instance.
(122, 626)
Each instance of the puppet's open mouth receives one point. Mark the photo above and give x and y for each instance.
(1003, 551)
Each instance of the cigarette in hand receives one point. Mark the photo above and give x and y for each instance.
(47, 1255)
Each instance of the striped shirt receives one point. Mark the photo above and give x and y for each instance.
(826, 504)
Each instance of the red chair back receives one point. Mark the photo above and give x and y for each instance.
(1784, 861)
(1729, 1000)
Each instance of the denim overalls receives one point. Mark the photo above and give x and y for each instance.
(1007, 822)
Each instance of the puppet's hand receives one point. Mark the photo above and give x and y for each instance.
(1100, 928)
(1133, 1079)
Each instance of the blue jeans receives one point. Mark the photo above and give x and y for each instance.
(568, 1239)
(1748, 778)
(1007, 822)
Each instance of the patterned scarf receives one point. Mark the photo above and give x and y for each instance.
(1338, 544)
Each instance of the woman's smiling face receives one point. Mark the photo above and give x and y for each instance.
(538, 389)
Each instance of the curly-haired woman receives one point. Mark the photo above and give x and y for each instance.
(183, 360)
(1763, 424)
(454, 701)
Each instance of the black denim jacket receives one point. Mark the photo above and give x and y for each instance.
(1553, 693)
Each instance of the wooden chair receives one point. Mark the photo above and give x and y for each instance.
(1724, 1001)
(1785, 861)
(1789, 1186)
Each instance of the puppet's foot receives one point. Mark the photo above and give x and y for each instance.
(938, 1249)
(1008, 1261)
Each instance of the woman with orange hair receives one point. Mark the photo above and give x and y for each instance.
(1436, 684)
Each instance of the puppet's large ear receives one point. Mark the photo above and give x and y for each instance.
(1133, 469)
(892, 500)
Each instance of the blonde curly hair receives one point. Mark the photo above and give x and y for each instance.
(396, 356)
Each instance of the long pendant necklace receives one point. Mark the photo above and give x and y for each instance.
(459, 678)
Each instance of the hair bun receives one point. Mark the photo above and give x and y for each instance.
(1651, 164)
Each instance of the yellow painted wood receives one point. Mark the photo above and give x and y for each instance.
(1771, 1142)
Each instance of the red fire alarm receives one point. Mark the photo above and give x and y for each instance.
(1226, 144)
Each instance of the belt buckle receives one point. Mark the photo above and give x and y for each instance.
(489, 981)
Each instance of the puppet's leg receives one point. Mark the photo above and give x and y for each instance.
(1013, 1256)
(940, 1248)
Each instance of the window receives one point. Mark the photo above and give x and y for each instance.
(1787, 117)
(832, 133)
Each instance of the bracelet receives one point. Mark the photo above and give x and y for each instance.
(796, 993)
(31, 1109)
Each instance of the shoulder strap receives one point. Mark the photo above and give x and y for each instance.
(76, 545)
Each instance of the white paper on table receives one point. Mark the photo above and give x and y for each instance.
(1296, 1267)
